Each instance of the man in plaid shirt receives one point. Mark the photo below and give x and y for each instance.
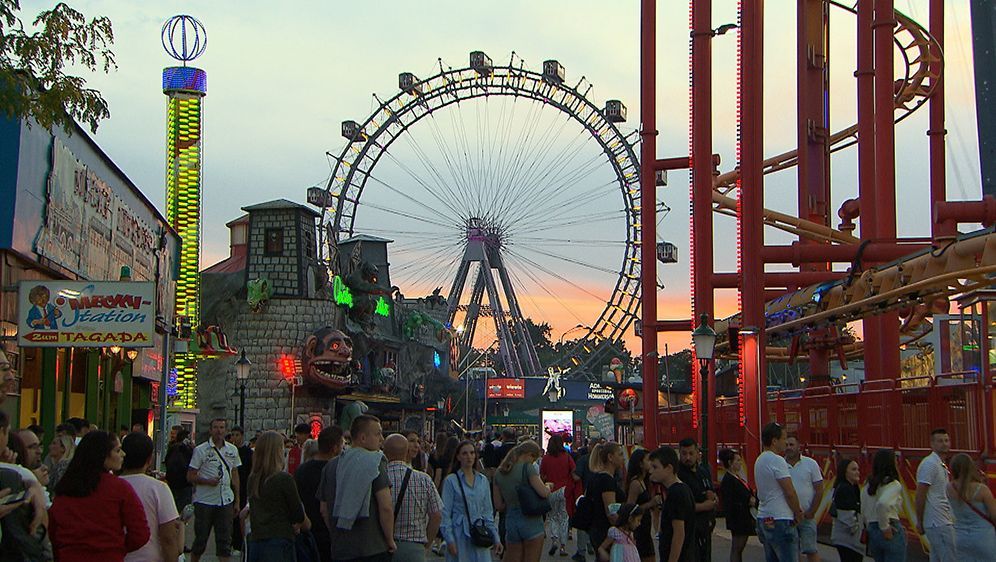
(421, 510)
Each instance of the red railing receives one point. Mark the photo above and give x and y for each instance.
(866, 415)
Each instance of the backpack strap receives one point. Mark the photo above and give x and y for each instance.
(401, 493)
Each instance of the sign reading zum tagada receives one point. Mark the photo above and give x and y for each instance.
(86, 314)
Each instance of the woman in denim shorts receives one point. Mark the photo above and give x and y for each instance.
(523, 533)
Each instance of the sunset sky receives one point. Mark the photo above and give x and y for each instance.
(282, 76)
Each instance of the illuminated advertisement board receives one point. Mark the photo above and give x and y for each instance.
(506, 388)
(86, 314)
(556, 421)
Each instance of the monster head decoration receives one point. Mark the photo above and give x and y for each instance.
(327, 359)
(258, 291)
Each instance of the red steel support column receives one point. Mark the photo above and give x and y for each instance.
(865, 73)
(750, 212)
(813, 130)
(702, 182)
(885, 192)
(648, 216)
(936, 131)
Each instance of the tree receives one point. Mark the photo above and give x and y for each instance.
(33, 81)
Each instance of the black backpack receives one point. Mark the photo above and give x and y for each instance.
(17, 544)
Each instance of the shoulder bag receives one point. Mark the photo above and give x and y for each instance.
(480, 535)
(530, 502)
(401, 493)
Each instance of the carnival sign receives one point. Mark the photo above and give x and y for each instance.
(506, 388)
(86, 314)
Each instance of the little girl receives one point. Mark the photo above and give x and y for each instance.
(619, 545)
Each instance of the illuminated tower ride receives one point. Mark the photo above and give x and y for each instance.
(185, 39)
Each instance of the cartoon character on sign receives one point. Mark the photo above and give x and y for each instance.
(617, 369)
(553, 390)
(327, 358)
(42, 315)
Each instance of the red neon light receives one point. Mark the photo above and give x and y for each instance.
(286, 366)
(748, 373)
(316, 427)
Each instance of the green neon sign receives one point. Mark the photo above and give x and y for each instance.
(383, 308)
(341, 293)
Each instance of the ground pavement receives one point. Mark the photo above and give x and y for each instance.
(720, 551)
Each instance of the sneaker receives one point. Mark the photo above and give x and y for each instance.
(578, 557)
(553, 548)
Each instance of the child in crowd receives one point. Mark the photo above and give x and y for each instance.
(619, 545)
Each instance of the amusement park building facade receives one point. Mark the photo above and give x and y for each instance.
(68, 213)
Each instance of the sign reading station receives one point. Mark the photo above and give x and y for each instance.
(86, 314)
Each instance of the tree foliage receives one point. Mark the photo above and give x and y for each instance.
(33, 63)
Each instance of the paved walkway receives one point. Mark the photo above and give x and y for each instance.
(720, 551)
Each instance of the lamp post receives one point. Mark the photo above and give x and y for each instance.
(704, 341)
(242, 368)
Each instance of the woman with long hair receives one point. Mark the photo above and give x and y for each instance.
(638, 492)
(523, 533)
(974, 509)
(557, 469)
(845, 534)
(445, 458)
(738, 500)
(880, 503)
(96, 515)
(603, 490)
(60, 452)
(467, 503)
(274, 505)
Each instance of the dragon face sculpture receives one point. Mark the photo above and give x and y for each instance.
(327, 359)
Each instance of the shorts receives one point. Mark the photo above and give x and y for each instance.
(520, 527)
(218, 518)
(807, 536)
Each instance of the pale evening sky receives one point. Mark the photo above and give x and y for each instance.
(282, 76)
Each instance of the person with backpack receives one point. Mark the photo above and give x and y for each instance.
(177, 459)
(523, 530)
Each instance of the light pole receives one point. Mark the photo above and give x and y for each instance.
(242, 368)
(704, 341)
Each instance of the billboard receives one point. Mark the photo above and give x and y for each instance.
(554, 422)
(506, 388)
(86, 314)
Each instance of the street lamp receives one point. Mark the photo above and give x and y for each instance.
(704, 341)
(242, 368)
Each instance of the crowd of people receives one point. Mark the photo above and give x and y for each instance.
(366, 496)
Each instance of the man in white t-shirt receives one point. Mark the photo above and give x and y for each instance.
(778, 509)
(807, 479)
(213, 473)
(165, 542)
(933, 511)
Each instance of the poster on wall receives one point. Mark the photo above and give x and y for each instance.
(86, 314)
(554, 422)
(88, 229)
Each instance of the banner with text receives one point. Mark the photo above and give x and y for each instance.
(86, 314)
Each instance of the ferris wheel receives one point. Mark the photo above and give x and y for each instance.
(509, 182)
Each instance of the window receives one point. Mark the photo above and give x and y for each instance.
(274, 242)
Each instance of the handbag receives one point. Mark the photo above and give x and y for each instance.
(530, 502)
(480, 535)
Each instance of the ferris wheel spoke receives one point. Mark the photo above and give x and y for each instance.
(568, 260)
(554, 210)
(425, 185)
(408, 215)
(542, 286)
(572, 242)
(530, 208)
(554, 274)
(580, 219)
(535, 154)
(531, 185)
(506, 174)
(426, 162)
(408, 197)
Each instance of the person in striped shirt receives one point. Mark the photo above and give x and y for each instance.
(418, 512)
